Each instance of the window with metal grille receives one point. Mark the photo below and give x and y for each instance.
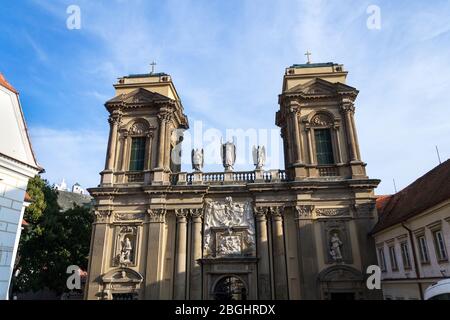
(137, 156)
(324, 146)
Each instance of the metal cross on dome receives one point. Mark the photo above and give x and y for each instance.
(153, 64)
(308, 54)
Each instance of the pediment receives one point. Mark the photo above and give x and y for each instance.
(340, 273)
(122, 275)
(320, 87)
(138, 96)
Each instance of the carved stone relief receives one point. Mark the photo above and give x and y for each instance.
(229, 229)
(332, 212)
(125, 216)
(321, 120)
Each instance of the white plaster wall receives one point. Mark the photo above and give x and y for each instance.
(12, 130)
(394, 235)
(12, 192)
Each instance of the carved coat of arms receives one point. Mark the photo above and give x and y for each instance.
(229, 229)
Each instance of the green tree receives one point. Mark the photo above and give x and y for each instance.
(53, 241)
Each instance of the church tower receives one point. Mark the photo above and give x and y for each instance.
(299, 233)
(144, 117)
(316, 117)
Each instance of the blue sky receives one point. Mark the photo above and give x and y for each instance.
(227, 59)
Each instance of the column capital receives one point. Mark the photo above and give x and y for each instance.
(260, 213)
(347, 105)
(165, 115)
(276, 212)
(181, 215)
(196, 214)
(115, 117)
(102, 215)
(303, 211)
(157, 215)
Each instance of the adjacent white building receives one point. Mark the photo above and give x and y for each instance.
(17, 165)
(412, 236)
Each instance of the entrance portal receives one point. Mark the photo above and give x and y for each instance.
(230, 288)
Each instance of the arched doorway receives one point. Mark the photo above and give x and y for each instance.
(230, 288)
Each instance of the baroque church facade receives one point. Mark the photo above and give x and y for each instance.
(298, 233)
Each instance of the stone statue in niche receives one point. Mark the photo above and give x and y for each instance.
(198, 159)
(259, 157)
(125, 254)
(336, 247)
(236, 219)
(125, 251)
(228, 153)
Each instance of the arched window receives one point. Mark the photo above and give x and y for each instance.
(139, 135)
(322, 124)
(137, 156)
(230, 288)
(324, 146)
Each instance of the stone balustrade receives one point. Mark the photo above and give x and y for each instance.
(257, 176)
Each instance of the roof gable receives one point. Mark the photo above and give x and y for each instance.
(429, 190)
(138, 96)
(12, 124)
(318, 86)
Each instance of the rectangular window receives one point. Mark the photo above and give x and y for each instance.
(423, 249)
(405, 255)
(324, 146)
(393, 257)
(439, 243)
(381, 259)
(137, 154)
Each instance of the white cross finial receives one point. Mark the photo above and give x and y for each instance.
(308, 54)
(153, 64)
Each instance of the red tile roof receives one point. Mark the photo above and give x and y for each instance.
(27, 197)
(429, 190)
(6, 84)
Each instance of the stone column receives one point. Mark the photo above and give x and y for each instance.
(348, 109)
(114, 121)
(148, 164)
(297, 140)
(155, 253)
(168, 147)
(279, 255)
(306, 252)
(262, 249)
(161, 143)
(338, 156)
(195, 281)
(97, 250)
(180, 263)
(310, 146)
(355, 135)
(126, 151)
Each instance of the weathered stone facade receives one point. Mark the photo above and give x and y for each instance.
(299, 233)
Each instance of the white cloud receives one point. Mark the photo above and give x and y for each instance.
(77, 156)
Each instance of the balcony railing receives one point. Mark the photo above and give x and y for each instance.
(328, 171)
(229, 177)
